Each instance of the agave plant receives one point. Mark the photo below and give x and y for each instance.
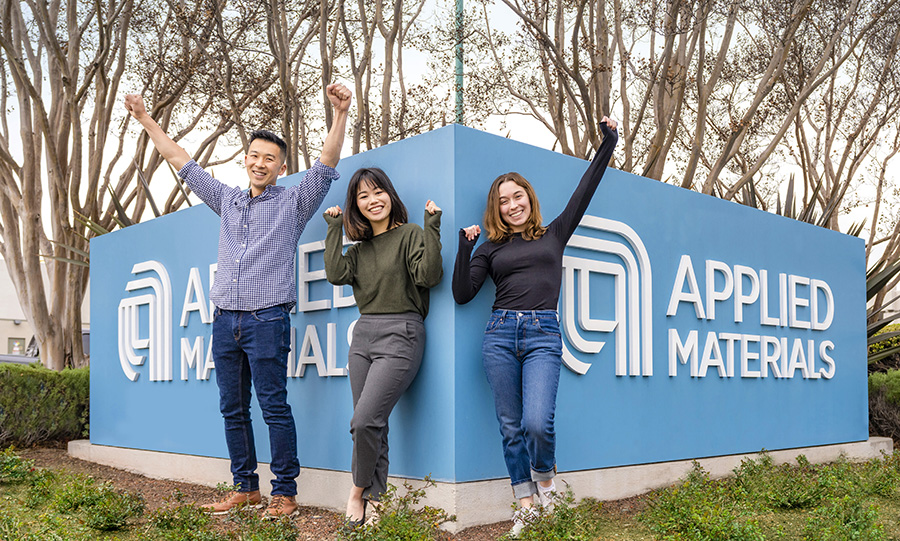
(82, 258)
(879, 278)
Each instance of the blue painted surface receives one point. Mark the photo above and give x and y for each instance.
(445, 425)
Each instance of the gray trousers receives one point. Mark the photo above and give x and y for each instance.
(384, 358)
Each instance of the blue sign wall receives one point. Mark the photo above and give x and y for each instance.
(692, 327)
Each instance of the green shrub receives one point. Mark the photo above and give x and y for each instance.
(700, 509)
(13, 530)
(887, 383)
(37, 404)
(402, 517)
(567, 520)
(76, 492)
(99, 505)
(41, 486)
(112, 511)
(252, 527)
(780, 487)
(180, 521)
(12, 468)
(877, 477)
(844, 518)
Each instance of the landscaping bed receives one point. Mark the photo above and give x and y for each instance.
(45, 494)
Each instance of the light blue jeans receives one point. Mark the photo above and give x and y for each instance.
(522, 353)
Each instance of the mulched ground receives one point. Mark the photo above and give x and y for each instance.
(313, 523)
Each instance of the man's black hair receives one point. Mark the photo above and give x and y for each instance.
(266, 135)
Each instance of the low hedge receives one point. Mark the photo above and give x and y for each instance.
(884, 404)
(38, 405)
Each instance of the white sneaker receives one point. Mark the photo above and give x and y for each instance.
(547, 496)
(522, 518)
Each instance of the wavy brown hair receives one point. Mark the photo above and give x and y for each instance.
(356, 225)
(497, 229)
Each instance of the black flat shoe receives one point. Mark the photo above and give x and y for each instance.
(350, 526)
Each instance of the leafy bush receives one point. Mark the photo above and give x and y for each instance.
(700, 509)
(42, 483)
(884, 404)
(56, 408)
(844, 518)
(252, 527)
(566, 520)
(887, 383)
(99, 505)
(112, 511)
(12, 468)
(178, 520)
(780, 487)
(402, 517)
(11, 529)
(878, 477)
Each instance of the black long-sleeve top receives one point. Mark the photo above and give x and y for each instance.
(528, 273)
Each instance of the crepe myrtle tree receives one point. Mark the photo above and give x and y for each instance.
(63, 176)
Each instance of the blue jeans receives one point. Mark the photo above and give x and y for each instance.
(522, 358)
(251, 348)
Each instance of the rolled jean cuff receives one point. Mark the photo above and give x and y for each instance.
(543, 475)
(525, 489)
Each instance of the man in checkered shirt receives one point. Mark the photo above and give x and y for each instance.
(254, 290)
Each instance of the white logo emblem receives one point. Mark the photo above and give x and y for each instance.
(633, 299)
(158, 341)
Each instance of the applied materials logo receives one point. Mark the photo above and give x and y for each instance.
(631, 325)
(145, 322)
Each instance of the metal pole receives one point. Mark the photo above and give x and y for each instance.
(458, 49)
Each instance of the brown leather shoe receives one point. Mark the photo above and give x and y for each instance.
(234, 499)
(281, 506)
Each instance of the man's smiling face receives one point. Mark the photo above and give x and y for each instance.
(264, 164)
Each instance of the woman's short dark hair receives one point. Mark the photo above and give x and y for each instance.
(266, 135)
(356, 225)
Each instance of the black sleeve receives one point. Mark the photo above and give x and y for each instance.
(568, 220)
(468, 275)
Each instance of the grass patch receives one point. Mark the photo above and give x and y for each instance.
(836, 501)
(762, 500)
(844, 518)
(701, 508)
(40, 504)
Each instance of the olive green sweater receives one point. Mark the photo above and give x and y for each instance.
(391, 272)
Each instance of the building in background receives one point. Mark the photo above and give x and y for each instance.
(15, 330)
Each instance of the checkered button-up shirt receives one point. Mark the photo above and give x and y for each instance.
(258, 235)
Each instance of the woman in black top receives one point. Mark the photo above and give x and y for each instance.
(522, 347)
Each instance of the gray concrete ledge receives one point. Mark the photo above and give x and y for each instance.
(473, 503)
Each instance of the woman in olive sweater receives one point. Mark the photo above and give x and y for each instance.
(391, 269)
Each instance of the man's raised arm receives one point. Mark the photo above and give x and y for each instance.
(339, 96)
(168, 149)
